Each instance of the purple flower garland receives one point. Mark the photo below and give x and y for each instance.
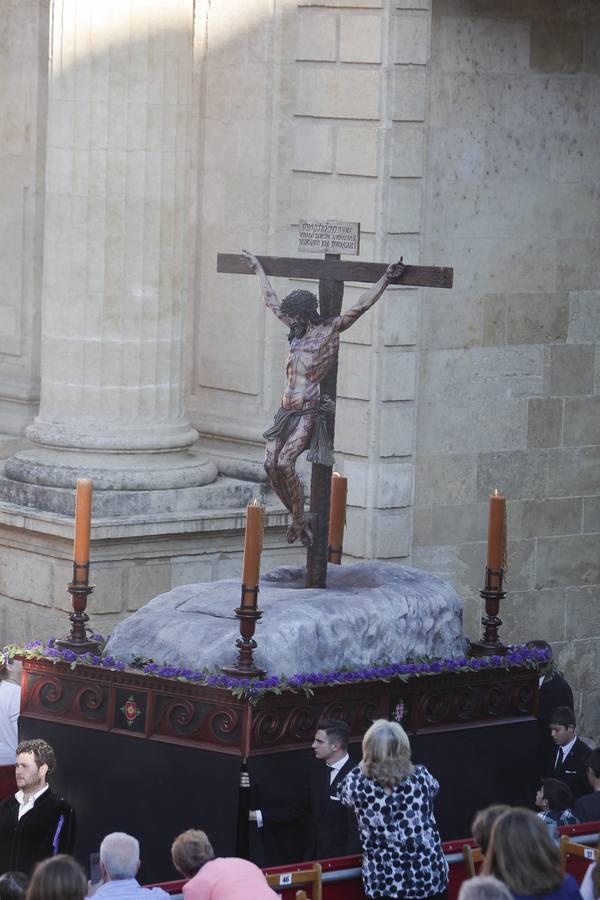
(254, 688)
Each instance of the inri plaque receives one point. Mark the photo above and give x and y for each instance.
(329, 237)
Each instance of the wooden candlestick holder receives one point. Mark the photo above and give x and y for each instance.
(492, 593)
(248, 616)
(78, 640)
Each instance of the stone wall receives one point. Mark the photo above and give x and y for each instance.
(509, 365)
(23, 106)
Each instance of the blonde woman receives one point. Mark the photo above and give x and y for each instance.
(393, 804)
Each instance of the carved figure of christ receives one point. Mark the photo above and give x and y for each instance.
(314, 345)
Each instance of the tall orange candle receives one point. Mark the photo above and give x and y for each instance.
(496, 548)
(252, 549)
(83, 522)
(337, 515)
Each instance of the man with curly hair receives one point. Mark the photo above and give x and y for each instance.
(35, 823)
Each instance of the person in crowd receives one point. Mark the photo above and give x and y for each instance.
(554, 691)
(523, 855)
(567, 762)
(484, 887)
(119, 864)
(34, 823)
(553, 800)
(221, 878)
(10, 703)
(587, 808)
(333, 830)
(393, 803)
(13, 886)
(590, 886)
(57, 878)
(483, 822)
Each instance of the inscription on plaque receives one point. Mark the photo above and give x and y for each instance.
(329, 237)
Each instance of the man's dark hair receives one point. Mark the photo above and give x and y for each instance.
(538, 644)
(557, 794)
(593, 762)
(336, 730)
(564, 716)
(13, 886)
(301, 303)
(42, 752)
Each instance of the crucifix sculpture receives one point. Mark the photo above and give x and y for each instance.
(306, 417)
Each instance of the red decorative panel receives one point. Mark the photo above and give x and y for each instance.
(211, 718)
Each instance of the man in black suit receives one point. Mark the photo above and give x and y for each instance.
(569, 757)
(553, 691)
(35, 822)
(332, 830)
(587, 808)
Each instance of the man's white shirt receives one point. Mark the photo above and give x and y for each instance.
(26, 805)
(565, 751)
(334, 768)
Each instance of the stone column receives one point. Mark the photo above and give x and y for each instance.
(115, 252)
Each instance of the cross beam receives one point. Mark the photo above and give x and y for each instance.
(336, 270)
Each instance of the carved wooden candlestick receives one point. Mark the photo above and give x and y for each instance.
(495, 570)
(492, 593)
(79, 589)
(248, 614)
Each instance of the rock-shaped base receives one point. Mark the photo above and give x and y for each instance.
(369, 612)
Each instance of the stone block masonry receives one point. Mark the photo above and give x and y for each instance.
(507, 391)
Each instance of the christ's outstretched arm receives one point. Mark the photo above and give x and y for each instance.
(369, 297)
(269, 294)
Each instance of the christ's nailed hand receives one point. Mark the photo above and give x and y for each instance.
(396, 269)
(251, 259)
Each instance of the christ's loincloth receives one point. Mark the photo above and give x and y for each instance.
(321, 448)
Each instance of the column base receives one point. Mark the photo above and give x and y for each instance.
(222, 494)
(116, 471)
(91, 434)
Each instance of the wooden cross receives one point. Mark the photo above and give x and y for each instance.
(331, 273)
